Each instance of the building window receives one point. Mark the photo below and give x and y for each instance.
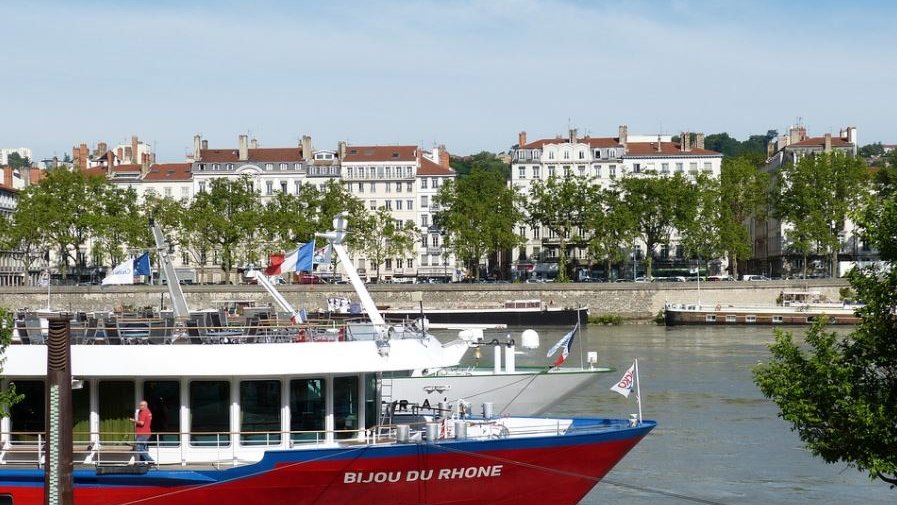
(424, 240)
(389, 172)
(373, 187)
(388, 263)
(269, 166)
(679, 168)
(423, 260)
(409, 186)
(398, 205)
(664, 251)
(597, 153)
(167, 191)
(409, 204)
(680, 252)
(582, 170)
(388, 187)
(536, 232)
(424, 201)
(425, 220)
(693, 167)
(707, 167)
(521, 172)
(551, 171)
(435, 240)
(410, 263)
(215, 166)
(551, 155)
(283, 166)
(664, 168)
(582, 155)
(202, 185)
(398, 187)
(566, 155)
(637, 168)
(388, 204)
(523, 232)
(361, 187)
(536, 173)
(423, 183)
(596, 170)
(399, 262)
(612, 171)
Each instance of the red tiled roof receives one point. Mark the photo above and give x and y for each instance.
(428, 167)
(820, 141)
(666, 149)
(94, 171)
(127, 168)
(591, 141)
(256, 155)
(169, 172)
(380, 153)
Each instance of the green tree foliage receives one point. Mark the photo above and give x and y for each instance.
(484, 160)
(870, 150)
(67, 208)
(225, 217)
(611, 228)
(814, 196)
(290, 219)
(701, 216)
(17, 162)
(743, 194)
(659, 206)
(561, 204)
(840, 393)
(8, 396)
(479, 215)
(384, 237)
(755, 145)
(120, 225)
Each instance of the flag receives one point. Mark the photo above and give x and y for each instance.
(564, 344)
(142, 265)
(121, 274)
(323, 255)
(300, 260)
(624, 387)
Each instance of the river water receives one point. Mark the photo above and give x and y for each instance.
(718, 440)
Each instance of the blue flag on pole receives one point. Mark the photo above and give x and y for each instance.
(306, 257)
(142, 265)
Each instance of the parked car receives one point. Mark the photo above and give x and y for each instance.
(712, 278)
(750, 277)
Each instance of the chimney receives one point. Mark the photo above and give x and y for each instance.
(685, 141)
(145, 163)
(135, 157)
(254, 144)
(521, 139)
(852, 135)
(623, 136)
(119, 152)
(75, 155)
(82, 156)
(699, 141)
(197, 146)
(244, 148)
(436, 155)
(573, 133)
(306, 148)
(129, 154)
(444, 158)
(205, 145)
(828, 143)
(659, 145)
(341, 149)
(101, 148)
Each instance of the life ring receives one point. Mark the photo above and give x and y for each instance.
(301, 335)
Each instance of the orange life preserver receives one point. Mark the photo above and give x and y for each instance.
(301, 336)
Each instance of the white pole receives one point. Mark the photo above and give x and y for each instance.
(638, 392)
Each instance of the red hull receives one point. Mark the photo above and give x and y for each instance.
(548, 473)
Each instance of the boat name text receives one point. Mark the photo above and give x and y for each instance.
(469, 472)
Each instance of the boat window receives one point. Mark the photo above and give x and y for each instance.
(750, 318)
(710, 318)
(345, 405)
(164, 399)
(117, 407)
(777, 319)
(28, 416)
(306, 408)
(260, 412)
(731, 319)
(210, 413)
(371, 405)
(81, 414)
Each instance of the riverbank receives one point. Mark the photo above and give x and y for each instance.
(629, 300)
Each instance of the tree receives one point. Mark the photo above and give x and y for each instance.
(225, 217)
(385, 237)
(561, 205)
(611, 228)
(67, 209)
(658, 205)
(840, 393)
(743, 191)
(870, 150)
(288, 219)
(17, 162)
(701, 218)
(8, 397)
(120, 224)
(814, 197)
(479, 214)
(484, 160)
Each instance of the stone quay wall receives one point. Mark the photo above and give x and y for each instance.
(630, 300)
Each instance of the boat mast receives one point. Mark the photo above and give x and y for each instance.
(336, 238)
(178, 301)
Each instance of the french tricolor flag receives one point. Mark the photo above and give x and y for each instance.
(300, 260)
(564, 345)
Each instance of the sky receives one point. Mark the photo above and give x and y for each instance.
(468, 74)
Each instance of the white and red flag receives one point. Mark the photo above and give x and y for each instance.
(624, 387)
(564, 345)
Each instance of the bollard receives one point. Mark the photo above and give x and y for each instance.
(487, 410)
(58, 472)
(403, 433)
(432, 432)
(460, 430)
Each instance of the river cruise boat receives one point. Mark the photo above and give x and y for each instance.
(792, 308)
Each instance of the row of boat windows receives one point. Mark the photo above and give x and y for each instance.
(711, 318)
(210, 413)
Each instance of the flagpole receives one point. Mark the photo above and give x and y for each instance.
(582, 365)
(638, 392)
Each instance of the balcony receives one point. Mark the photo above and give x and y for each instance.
(434, 251)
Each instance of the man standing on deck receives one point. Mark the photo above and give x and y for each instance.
(142, 432)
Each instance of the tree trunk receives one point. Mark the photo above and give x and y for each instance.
(734, 265)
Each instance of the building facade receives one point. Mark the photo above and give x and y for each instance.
(602, 160)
